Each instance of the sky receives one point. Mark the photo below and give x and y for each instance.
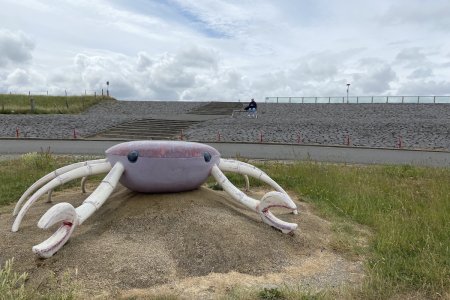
(232, 50)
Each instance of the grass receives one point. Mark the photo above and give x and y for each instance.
(406, 208)
(22, 104)
(12, 286)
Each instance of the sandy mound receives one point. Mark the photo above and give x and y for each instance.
(196, 243)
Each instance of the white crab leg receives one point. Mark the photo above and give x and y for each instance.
(49, 196)
(92, 169)
(247, 183)
(271, 199)
(101, 193)
(71, 217)
(51, 176)
(83, 184)
(230, 165)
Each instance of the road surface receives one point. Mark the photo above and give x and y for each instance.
(353, 155)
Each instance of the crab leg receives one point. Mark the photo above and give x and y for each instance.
(269, 200)
(51, 176)
(83, 184)
(91, 169)
(71, 217)
(229, 165)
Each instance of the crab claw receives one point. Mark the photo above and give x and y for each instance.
(276, 199)
(61, 212)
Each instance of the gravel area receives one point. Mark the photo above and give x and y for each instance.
(372, 125)
(417, 126)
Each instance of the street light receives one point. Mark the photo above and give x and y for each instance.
(348, 87)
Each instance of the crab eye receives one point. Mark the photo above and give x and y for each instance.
(133, 156)
(207, 156)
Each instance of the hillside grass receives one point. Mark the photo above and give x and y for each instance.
(407, 209)
(21, 104)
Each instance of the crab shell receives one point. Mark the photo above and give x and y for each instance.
(163, 166)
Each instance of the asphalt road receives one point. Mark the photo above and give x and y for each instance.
(353, 155)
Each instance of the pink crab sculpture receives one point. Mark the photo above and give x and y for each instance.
(148, 167)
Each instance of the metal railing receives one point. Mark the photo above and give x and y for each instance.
(361, 99)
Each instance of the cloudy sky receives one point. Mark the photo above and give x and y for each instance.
(225, 50)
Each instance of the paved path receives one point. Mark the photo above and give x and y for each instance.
(255, 151)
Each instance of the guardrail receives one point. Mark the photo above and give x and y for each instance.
(361, 99)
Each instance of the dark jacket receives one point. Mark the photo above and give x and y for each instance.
(252, 104)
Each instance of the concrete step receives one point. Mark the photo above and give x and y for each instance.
(146, 129)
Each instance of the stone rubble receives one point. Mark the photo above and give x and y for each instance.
(417, 126)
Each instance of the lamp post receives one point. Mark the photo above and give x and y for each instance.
(107, 89)
(348, 87)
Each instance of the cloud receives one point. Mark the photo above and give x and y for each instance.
(421, 72)
(15, 47)
(411, 57)
(425, 87)
(143, 61)
(419, 13)
(22, 81)
(375, 78)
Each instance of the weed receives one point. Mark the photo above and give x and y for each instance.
(271, 294)
(12, 285)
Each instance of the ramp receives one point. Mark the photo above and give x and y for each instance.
(217, 108)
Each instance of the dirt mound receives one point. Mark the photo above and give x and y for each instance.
(195, 243)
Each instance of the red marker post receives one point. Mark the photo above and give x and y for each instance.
(400, 142)
(181, 135)
(347, 140)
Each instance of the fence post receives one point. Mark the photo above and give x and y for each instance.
(315, 101)
(289, 99)
(277, 99)
(329, 100)
(67, 103)
(302, 99)
(434, 99)
(357, 99)
(343, 99)
(32, 107)
(418, 101)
